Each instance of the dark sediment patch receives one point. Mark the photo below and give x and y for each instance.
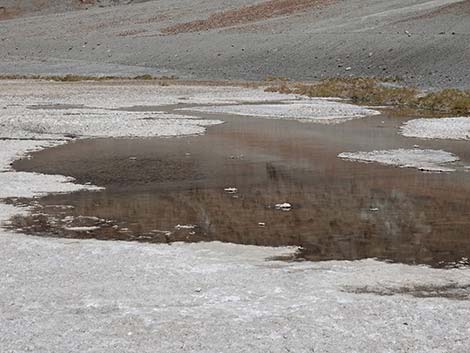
(451, 291)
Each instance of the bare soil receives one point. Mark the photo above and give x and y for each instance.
(247, 14)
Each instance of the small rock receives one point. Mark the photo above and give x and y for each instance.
(283, 206)
(185, 226)
(231, 190)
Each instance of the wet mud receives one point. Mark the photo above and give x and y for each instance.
(452, 291)
(225, 186)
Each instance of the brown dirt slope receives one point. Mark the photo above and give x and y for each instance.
(246, 14)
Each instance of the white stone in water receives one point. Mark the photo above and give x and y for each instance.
(283, 206)
(231, 190)
(185, 226)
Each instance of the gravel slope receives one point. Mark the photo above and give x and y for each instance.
(425, 42)
(24, 8)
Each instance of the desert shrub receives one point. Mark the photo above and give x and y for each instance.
(144, 77)
(448, 100)
(360, 90)
(375, 92)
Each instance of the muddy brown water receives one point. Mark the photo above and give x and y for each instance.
(172, 189)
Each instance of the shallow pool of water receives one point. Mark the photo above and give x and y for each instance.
(225, 185)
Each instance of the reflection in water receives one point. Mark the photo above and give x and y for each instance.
(340, 209)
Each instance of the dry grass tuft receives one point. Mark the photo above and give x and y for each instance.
(448, 101)
(276, 79)
(78, 78)
(375, 92)
(66, 78)
(359, 90)
(144, 77)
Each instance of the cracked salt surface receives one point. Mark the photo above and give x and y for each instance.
(320, 111)
(55, 124)
(33, 185)
(92, 296)
(35, 129)
(20, 184)
(440, 128)
(26, 130)
(82, 229)
(426, 160)
(86, 296)
(10, 150)
(109, 96)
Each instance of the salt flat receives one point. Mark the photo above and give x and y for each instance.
(426, 160)
(67, 295)
(441, 128)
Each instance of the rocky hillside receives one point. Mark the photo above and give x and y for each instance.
(423, 42)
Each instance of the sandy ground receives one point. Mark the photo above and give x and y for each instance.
(89, 296)
(425, 42)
